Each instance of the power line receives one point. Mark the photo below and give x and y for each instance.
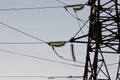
(61, 2)
(21, 42)
(79, 21)
(72, 14)
(10, 52)
(40, 8)
(22, 32)
(45, 59)
(32, 8)
(24, 77)
(60, 44)
(76, 17)
(63, 57)
(81, 28)
(66, 6)
(35, 8)
(112, 64)
(48, 77)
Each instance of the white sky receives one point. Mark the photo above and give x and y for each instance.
(49, 25)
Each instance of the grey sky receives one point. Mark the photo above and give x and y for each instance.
(54, 24)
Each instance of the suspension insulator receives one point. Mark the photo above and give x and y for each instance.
(72, 51)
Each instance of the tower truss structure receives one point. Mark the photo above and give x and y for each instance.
(103, 37)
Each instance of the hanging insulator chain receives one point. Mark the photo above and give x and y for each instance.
(72, 51)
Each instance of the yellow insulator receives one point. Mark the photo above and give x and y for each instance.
(78, 8)
(72, 51)
(57, 43)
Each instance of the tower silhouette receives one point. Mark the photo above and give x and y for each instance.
(103, 37)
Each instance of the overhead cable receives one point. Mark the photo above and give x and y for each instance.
(112, 64)
(6, 25)
(80, 6)
(81, 28)
(30, 8)
(60, 44)
(79, 22)
(24, 77)
(61, 2)
(35, 8)
(48, 77)
(49, 60)
(21, 42)
(45, 59)
(75, 8)
(63, 57)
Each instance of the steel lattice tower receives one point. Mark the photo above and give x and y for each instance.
(103, 37)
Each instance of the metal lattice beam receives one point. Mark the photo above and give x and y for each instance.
(103, 37)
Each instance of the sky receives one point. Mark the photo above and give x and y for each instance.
(39, 25)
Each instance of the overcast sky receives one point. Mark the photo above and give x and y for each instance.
(48, 24)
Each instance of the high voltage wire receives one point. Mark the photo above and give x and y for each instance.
(111, 64)
(38, 38)
(61, 2)
(76, 17)
(21, 42)
(35, 7)
(49, 60)
(27, 35)
(32, 8)
(45, 59)
(10, 9)
(36, 43)
(81, 28)
(6, 25)
(14, 9)
(24, 76)
(52, 48)
(48, 77)
(66, 6)
(72, 14)
(44, 8)
(63, 57)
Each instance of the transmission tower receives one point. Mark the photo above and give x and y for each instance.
(103, 37)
